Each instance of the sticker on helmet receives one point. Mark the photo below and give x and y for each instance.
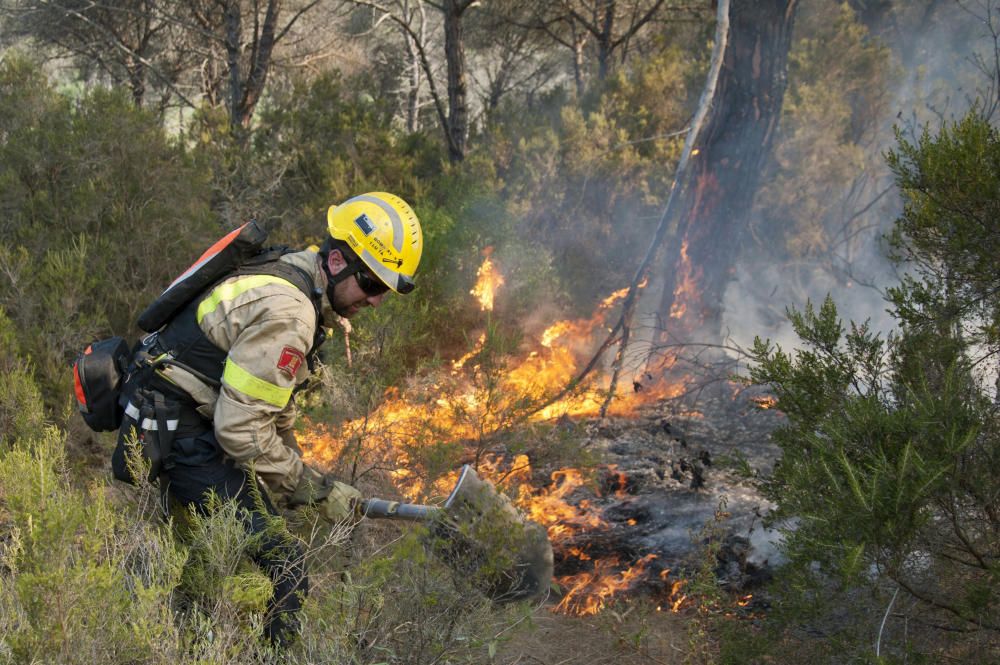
(291, 360)
(364, 224)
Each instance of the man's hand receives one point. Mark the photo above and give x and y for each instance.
(335, 500)
(341, 503)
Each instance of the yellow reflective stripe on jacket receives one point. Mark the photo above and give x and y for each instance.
(238, 378)
(231, 290)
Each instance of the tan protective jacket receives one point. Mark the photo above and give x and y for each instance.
(266, 325)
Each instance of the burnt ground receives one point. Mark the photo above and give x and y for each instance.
(666, 475)
(674, 470)
(675, 465)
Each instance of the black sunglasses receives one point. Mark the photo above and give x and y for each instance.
(372, 286)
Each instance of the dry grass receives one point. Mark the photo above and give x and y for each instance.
(629, 633)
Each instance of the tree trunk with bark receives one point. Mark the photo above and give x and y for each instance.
(414, 78)
(719, 186)
(454, 49)
(136, 79)
(579, 42)
(246, 89)
(260, 65)
(605, 44)
(233, 18)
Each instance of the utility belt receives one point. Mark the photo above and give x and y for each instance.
(155, 414)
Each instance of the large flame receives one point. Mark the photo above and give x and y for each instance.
(458, 410)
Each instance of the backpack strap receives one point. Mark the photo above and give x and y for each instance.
(267, 263)
(190, 349)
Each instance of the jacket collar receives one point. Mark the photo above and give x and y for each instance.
(309, 260)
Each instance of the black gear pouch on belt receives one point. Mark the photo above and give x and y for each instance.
(98, 374)
(146, 434)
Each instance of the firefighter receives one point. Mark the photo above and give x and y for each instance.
(226, 366)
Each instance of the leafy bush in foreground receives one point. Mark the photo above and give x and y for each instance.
(93, 575)
(891, 447)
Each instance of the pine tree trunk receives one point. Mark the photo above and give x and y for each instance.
(604, 41)
(136, 79)
(719, 186)
(579, 41)
(414, 81)
(260, 64)
(458, 112)
(234, 28)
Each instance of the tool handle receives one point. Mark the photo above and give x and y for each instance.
(394, 510)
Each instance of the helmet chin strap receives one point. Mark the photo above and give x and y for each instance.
(333, 280)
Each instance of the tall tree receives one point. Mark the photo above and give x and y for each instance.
(458, 87)
(234, 42)
(719, 184)
(129, 41)
(454, 117)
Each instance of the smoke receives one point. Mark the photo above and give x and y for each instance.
(939, 56)
(933, 68)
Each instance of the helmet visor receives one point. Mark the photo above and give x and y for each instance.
(404, 285)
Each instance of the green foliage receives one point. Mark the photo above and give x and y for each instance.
(947, 231)
(82, 582)
(859, 467)
(21, 412)
(890, 447)
(89, 189)
(90, 575)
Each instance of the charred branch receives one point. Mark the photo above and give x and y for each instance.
(629, 305)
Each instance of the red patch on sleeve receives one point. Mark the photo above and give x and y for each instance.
(291, 360)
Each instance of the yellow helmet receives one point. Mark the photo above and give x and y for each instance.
(385, 234)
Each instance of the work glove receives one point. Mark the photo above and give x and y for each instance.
(336, 501)
(341, 503)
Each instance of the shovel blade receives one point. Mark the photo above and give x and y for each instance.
(483, 534)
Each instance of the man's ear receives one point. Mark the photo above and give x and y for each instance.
(335, 261)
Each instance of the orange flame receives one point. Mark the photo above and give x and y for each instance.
(765, 402)
(458, 364)
(453, 410)
(488, 280)
(589, 592)
(686, 287)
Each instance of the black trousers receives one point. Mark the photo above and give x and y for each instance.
(198, 469)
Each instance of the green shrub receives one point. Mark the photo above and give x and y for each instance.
(88, 575)
(100, 209)
(891, 445)
(21, 411)
(82, 582)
